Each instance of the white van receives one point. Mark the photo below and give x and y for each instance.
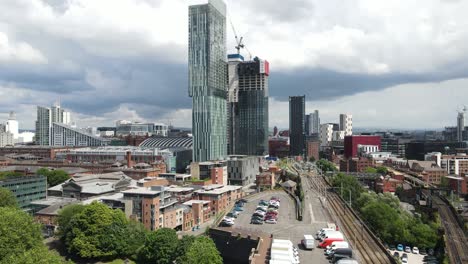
(282, 241)
(294, 260)
(308, 242)
(335, 245)
(338, 244)
(330, 234)
(321, 231)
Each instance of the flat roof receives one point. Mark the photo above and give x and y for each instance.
(191, 202)
(219, 190)
(141, 190)
(179, 189)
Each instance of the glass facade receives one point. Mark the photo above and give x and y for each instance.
(26, 189)
(248, 111)
(297, 125)
(208, 80)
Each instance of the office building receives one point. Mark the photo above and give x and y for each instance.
(65, 135)
(46, 117)
(461, 124)
(127, 128)
(208, 79)
(346, 124)
(242, 170)
(415, 150)
(247, 106)
(297, 125)
(354, 144)
(26, 189)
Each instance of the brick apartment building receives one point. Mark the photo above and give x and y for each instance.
(221, 197)
(312, 149)
(265, 181)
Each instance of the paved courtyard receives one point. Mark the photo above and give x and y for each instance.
(315, 217)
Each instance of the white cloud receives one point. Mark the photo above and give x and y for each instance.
(18, 52)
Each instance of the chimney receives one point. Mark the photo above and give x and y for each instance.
(129, 159)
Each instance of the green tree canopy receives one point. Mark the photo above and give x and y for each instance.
(65, 215)
(21, 240)
(182, 247)
(203, 251)
(160, 247)
(54, 177)
(9, 174)
(18, 232)
(326, 165)
(95, 232)
(7, 199)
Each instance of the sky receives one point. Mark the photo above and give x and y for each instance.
(392, 64)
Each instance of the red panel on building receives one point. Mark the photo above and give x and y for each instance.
(351, 144)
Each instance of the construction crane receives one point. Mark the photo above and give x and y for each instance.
(239, 43)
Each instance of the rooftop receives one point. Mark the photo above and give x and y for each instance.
(191, 202)
(218, 189)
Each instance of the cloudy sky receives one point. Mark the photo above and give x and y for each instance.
(395, 64)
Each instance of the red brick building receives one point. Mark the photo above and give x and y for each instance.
(351, 144)
(265, 181)
(458, 184)
(313, 149)
(387, 184)
(356, 164)
(278, 147)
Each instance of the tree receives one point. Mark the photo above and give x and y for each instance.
(160, 247)
(7, 199)
(182, 248)
(18, 232)
(202, 251)
(96, 232)
(65, 216)
(312, 159)
(54, 177)
(370, 170)
(382, 170)
(9, 174)
(37, 255)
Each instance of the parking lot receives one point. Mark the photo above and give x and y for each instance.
(287, 226)
(412, 258)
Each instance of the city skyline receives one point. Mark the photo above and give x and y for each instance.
(118, 69)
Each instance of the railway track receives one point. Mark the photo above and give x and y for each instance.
(360, 238)
(455, 239)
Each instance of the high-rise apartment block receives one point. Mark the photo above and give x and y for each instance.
(313, 123)
(297, 125)
(12, 125)
(326, 134)
(346, 124)
(247, 106)
(208, 79)
(46, 117)
(460, 124)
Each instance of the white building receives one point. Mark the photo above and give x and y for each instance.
(125, 128)
(12, 125)
(434, 156)
(25, 137)
(346, 124)
(46, 117)
(6, 139)
(65, 135)
(326, 134)
(313, 123)
(363, 150)
(338, 136)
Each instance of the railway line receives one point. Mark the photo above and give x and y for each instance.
(368, 250)
(455, 239)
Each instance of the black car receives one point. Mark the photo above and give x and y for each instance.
(256, 221)
(231, 215)
(429, 258)
(432, 262)
(257, 217)
(392, 247)
(422, 251)
(430, 252)
(396, 255)
(243, 201)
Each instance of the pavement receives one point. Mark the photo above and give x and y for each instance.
(288, 227)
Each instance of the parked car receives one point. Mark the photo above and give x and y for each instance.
(243, 200)
(429, 258)
(261, 208)
(399, 247)
(392, 247)
(232, 215)
(260, 212)
(273, 206)
(227, 222)
(430, 251)
(407, 249)
(227, 218)
(422, 251)
(272, 210)
(415, 250)
(275, 198)
(237, 208)
(404, 258)
(234, 212)
(256, 221)
(271, 221)
(396, 255)
(258, 215)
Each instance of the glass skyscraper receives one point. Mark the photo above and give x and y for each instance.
(208, 79)
(297, 125)
(248, 106)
